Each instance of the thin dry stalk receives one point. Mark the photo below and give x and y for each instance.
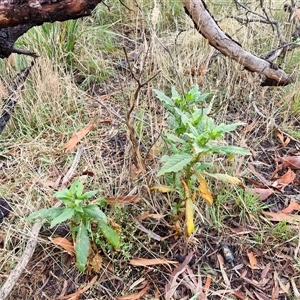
(138, 157)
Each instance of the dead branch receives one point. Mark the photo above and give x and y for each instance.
(207, 26)
(133, 138)
(22, 263)
(18, 16)
(20, 12)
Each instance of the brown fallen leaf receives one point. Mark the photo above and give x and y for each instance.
(252, 259)
(258, 175)
(147, 215)
(287, 178)
(292, 162)
(240, 295)
(135, 296)
(298, 13)
(71, 144)
(250, 127)
(140, 262)
(76, 295)
(265, 271)
(284, 142)
(207, 284)
(97, 263)
(172, 284)
(262, 194)
(291, 207)
(280, 216)
(107, 121)
(223, 271)
(123, 200)
(198, 71)
(65, 244)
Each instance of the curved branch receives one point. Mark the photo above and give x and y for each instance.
(20, 12)
(18, 16)
(207, 26)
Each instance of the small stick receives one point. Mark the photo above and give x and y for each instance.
(71, 171)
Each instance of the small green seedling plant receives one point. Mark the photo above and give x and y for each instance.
(81, 216)
(193, 138)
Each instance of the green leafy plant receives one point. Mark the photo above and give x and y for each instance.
(192, 139)
(81, 217)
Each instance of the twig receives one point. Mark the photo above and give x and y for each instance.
(122, 3)
(266, 18)
(109, 109)
(139, 160)
(22, 263)
(72, 169)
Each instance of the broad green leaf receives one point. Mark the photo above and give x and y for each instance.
(78, 208)
(230, 150)
(94, 212)
(174, 93)
(78, 202)
(174, 138)
(189, 216)
(228, 127)
(183, 116)
(216, 133)
(67, 202)
(197, 116)
(226, 178)
(202, 166)
(79, 189)
(66, 214)
(82, 245)
(192, 93)
(62, 195)
(164, 98)
(47, 213)
(111, 236)
(200, 149)
(165, 158)
(202, 97)
(76, 188)
(175, 163)
(88, 195)
(193, 129)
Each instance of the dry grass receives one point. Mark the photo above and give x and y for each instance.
(60, 97)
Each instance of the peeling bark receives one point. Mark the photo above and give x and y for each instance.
(18, 16)
(207, 26)
(19, 12)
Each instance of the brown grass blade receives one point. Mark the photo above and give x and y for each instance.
(138, 262)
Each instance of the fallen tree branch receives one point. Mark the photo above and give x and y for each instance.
(207, 26)
(20, 12)
(18, 16)
(22, 263)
